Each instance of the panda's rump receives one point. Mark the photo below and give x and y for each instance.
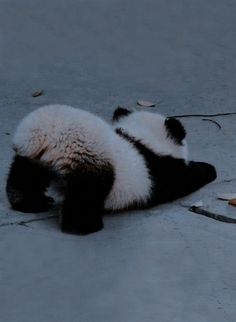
(73, 149)
(63, 137)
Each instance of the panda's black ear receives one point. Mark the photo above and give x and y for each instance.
(119, 113)
(175, 130)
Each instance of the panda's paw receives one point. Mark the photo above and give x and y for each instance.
(33, 204)
(81, 226)
(204, 172)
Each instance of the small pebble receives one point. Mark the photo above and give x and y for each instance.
(197, 204)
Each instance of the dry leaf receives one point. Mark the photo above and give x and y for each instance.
(37, 93)
(232, 202)
(226, 196)
(145, 103)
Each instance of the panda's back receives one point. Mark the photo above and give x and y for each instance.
(62, 137)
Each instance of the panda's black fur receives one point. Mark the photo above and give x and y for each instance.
(140, 163)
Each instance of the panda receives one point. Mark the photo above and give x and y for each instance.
(138, 161)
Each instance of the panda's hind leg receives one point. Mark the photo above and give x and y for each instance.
(26, 183)
(83, 206)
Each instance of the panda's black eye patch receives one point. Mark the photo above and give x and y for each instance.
(175, 130)
(119, 113)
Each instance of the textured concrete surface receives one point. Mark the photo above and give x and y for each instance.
(165, 264)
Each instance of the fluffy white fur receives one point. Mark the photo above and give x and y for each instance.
(150, 128)
(64, 137)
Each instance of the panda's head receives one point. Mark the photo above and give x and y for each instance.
(164, 136)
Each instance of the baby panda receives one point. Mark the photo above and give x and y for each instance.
(139, 161)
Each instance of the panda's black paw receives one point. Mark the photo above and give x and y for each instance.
(33, 204)
(209, 170)
(81, 226)
(203, 171)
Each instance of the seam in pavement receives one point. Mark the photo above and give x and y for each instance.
(25, 222)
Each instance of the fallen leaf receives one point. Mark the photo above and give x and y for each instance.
(145, 103)
(232, 202)
(226, 196)
(37, 93)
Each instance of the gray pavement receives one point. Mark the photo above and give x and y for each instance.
(165, 264)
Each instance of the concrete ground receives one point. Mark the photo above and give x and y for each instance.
(165, 264)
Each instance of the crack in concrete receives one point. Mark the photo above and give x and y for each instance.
(204, 115)
(25, 222)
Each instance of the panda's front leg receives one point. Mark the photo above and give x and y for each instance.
(26, 184)
(200, 174)
(192, 177)
(83, 206)
(179, 179)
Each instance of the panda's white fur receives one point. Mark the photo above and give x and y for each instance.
(64, 137)
(151, 130)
